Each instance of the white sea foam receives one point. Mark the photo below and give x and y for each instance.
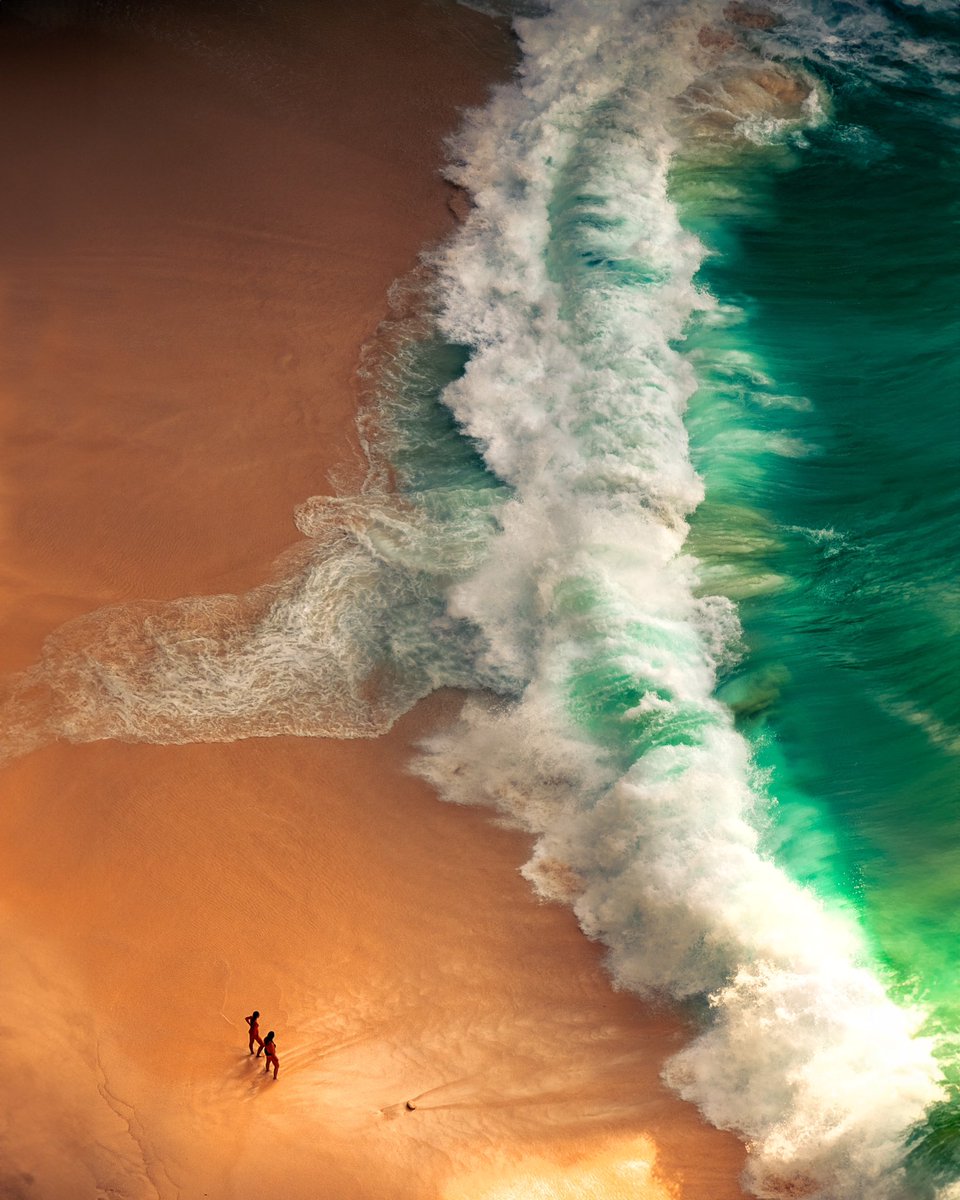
(352, 632)
(571, 280)
(865, 39)
(572, 602)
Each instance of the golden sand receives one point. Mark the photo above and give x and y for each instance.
(207, 214)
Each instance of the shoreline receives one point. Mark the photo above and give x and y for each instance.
(173, 327)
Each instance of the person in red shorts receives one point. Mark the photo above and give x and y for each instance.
(270, 1050)
(254, 1022)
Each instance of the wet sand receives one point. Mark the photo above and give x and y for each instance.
(206, 213)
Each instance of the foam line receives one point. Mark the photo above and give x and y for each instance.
(571, 281)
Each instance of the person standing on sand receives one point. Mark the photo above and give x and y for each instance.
(254, 1022)
(270, 1050)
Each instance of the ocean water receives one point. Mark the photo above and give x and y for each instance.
(662, 473)
(737, 746)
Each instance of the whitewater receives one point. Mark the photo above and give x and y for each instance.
(522, 533)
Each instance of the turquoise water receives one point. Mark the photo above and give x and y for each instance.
(846, 275)
(822, 422)
(662, 475)
(859, 315)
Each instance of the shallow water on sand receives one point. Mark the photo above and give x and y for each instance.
(706, 286)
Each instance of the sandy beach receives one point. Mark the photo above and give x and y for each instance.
(205, 215)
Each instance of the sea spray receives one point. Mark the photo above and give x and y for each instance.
(845, 275)
(572, 281)
(534, 551)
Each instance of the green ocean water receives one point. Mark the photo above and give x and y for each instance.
(544, 404)
(826, 429)
(562, 390)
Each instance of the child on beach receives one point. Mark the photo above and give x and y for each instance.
(270, 1050)
(254, 1022)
